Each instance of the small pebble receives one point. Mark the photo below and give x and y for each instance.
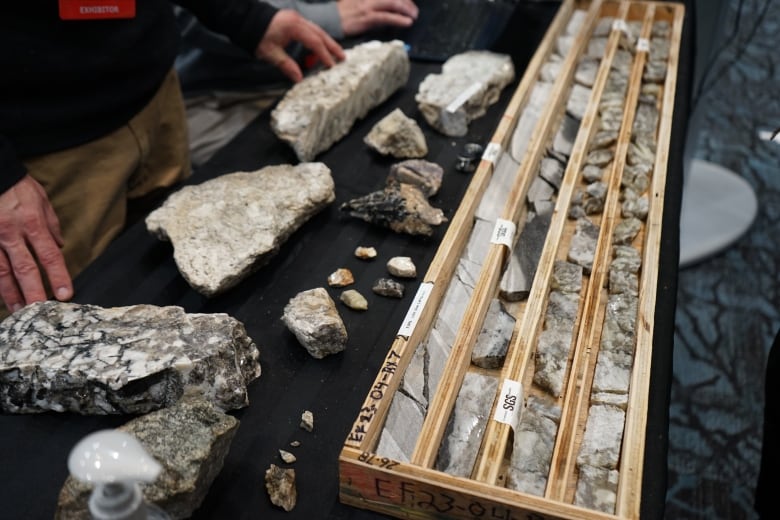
(402, 267)
(365, 253)
(307, 421)
(354, 300)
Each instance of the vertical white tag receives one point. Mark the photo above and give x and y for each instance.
(643, 45)
(504, 233)
(510, 403)
(492, 153)
(620, 25)
(415, 309)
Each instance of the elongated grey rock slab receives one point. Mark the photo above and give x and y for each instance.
(313, 318)
(468, 83)
(189, 439)
(458, 450)
(226, 228)
(93, 360)
(320, 110)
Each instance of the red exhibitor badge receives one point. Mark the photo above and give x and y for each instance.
(96, 9)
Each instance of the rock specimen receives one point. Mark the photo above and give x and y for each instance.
(463, 437)
(341, 277)
(354, 300)
(388, 287)
(313, 318)
(533, 447)
(365, 253)
(317, 112)
(493, 340)
(403, 208)
(225, 228)
(519, 274)
(307, 420)
(397, 135)
(288, 457)
(92, 360)
(280, 484)
(468, 83)
(426, 175)
(190, 439)
(402, 267)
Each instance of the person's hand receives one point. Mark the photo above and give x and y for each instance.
(358, 16)
(288, 26)
(30, 231)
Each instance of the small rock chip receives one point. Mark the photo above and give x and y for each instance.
(354, 300)
(286, 456)
(295, 444)
(307, 420)
(280, 484)
(402, 267)
(365, 253)
(341, 277)
(388, 287)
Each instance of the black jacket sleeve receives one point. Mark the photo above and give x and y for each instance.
(11, 168)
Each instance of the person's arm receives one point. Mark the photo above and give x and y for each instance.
(266, 31)
(29, 236)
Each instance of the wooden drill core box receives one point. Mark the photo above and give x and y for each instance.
(412, 486)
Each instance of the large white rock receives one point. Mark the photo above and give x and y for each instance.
(226, 228)
(321, 109)
(468, 83)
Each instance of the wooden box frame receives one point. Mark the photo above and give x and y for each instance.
(414, 489)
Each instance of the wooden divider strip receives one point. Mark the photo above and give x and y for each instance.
(632, 456)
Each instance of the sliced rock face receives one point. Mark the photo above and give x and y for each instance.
(92, 360)
(313, 318)
(426, 175)
(317, 112)
(403, 208)
(226, 228)
(468, 83)
(397, 135)
(190, 439)
(493, 341)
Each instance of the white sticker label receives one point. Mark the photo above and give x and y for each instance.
(643, 45)
(620, 25)
(415, 309)
(504, 233)
(510, 403)
(464, 96)
(492, 153)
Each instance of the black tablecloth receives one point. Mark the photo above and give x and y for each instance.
(140, 269)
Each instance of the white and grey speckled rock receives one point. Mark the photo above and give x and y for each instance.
(402, 426)
(312, 316)
(533, 447)
(93, 360)
(603, 437)
(190, 439)
(317, 112)
(468, 83)
(226, 228)
(397, 135)
(597, 488)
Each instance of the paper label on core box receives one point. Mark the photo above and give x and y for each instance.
(504, 233)
(415, 309)
(510, 403)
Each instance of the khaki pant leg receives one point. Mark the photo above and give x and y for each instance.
(89, 185)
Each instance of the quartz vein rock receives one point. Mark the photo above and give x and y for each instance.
(317, 112)
(190, 439)
(226, 228)
(468, 83)
(397, 135)
(313, 318)
(92, 360)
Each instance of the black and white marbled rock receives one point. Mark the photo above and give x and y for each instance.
(404, 208)
(468, 83)
(397, 135)
(190, 439)
(226, 228)
(312, 316)
(320, 110)
(92, 360)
